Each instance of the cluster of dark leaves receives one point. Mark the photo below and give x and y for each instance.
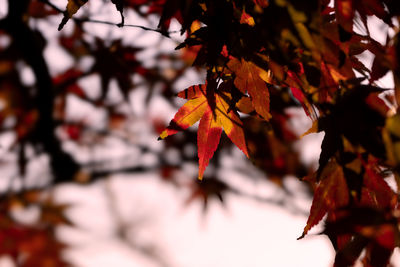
(312, 48)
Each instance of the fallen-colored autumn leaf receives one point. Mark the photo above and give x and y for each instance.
(252, 79)
(214, 112)
(331, 193)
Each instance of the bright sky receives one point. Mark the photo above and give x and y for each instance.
(244, 233)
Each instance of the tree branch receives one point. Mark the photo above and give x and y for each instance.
(63, 165)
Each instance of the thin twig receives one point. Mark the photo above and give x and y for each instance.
(80, 20)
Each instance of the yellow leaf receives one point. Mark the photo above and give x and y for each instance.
(190, 112)
(247, 19)
(230, 121)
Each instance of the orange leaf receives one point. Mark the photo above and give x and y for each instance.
(215, 114)
(330, 194)
(189, 113)
(244, 105)
(251, 78)
(194, 91)
(210, 129)
(231, 122)
(208, 137)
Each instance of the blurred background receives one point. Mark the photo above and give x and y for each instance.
(101, 190)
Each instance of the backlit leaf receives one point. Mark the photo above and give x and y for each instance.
(251, 79)
(208, 137)
(190, 112)
(331, 193)
(214, 113)
(230, 121)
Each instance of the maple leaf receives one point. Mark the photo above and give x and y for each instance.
(207, 190)
(72, 7)
(252, 79)
(123, 61)
(330, 193)
(376, 192)
(351, 117)
(214, 112)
